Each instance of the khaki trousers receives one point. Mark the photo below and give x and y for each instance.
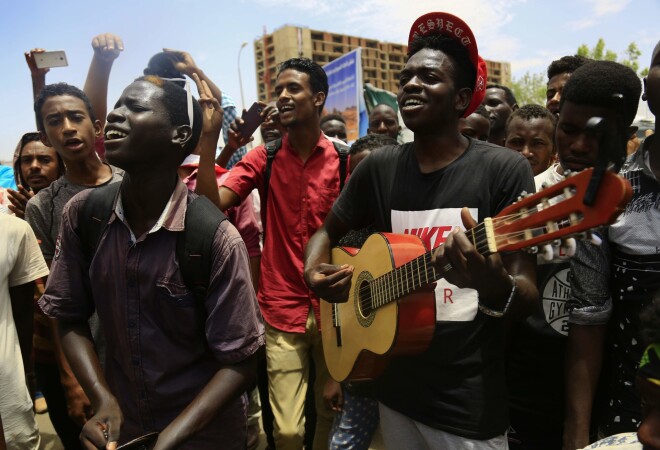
(288, 358)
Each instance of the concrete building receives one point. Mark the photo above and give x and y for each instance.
(499, 72)
(381, 61)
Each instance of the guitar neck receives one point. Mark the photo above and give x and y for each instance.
(553, 213)
(420, 271)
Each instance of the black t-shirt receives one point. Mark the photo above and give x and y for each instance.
(457, 385)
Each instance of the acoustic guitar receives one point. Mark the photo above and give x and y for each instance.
(391, 306)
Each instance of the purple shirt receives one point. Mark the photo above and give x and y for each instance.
(162, 347)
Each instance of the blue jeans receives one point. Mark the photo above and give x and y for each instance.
(355, 425)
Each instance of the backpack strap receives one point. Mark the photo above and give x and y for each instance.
(342, 150)
(194, 246)
(94, 216)
(272, 148)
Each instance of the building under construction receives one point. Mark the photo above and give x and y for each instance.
(381, 61)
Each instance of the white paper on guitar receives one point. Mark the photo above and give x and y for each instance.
(453, 304)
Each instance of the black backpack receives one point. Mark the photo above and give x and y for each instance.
(193, 244)
(273, 147)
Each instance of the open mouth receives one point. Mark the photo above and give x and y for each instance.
(114, 134)
(412, 102)
(73, 144)
(286, 108)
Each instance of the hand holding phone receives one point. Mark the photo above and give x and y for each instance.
(251, 118)
(46, 60)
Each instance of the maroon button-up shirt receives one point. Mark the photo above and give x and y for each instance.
(162, 346)
(301, 194)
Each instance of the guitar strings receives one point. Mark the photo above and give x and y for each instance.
(386, 285)
(398, 285)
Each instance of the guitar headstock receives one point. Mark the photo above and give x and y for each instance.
(559, 212)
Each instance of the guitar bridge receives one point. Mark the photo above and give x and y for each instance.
(336, 323)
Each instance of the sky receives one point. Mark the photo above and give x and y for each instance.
(527, 33)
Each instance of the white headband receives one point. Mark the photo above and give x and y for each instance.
(189, 95)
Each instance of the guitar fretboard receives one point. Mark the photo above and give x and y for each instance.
(414, 274)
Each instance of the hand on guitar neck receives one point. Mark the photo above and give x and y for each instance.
(462, 265)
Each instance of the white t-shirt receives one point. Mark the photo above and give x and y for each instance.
(20, 262)
(549, 177)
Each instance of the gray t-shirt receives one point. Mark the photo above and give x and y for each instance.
(44, 214)
(44, 210)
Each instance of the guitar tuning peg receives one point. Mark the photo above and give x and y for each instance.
(556, 242)
(595, 239)
(547, 252)
(569, 247)
(532, 250)
(522, 195)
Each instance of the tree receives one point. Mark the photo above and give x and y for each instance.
(530, 88)
(629, 57)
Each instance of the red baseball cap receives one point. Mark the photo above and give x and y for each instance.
(454, 27)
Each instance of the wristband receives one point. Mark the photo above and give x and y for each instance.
(492, 313)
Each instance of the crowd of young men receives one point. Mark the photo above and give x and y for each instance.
(166, 312)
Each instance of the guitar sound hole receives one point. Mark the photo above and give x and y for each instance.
(364, 300)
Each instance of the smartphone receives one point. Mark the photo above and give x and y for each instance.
(251, 120)
(50, 59)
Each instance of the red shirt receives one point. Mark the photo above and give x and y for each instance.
(243, 216)
(300, 195)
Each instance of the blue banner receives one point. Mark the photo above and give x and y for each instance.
(345, 94)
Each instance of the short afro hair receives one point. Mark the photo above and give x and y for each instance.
(329, 117)
(465, 74)
(175, 100)
(508, 93)
(596, 83)
(532, 111)
(162, 65)
(318, 79)
(55, 90)
(567, 64)
(371, 142)
(482, 111)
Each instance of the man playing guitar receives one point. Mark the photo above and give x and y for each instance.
(453, 394)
